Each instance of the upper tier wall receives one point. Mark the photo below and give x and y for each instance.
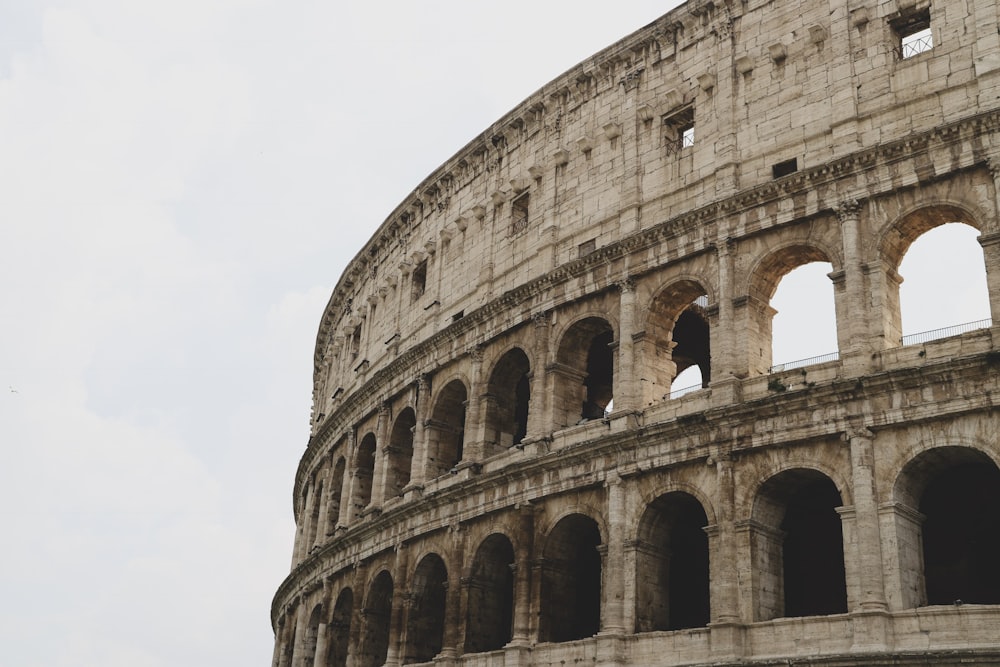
(697, 108)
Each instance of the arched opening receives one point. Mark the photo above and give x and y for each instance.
(312, 634)
(425, 617)
(377, 613)
(584, 379)
(945, 274)
(400, 452)
(364, 470)
(508, 394)
(792, 314)
(446, 430)
(674, 351)
(339, 629)
(805, 322)
(489, 622)
(336, 490)
(571, 581)
(798, 546)
(672, 572)
(953, 538)
(943, 290)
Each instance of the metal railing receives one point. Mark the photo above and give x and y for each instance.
(917, 43)
(799, 363)
(934, 334)
(677, 393)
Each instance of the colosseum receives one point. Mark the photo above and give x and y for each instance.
(502, 470)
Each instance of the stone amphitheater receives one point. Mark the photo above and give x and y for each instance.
(501, 471)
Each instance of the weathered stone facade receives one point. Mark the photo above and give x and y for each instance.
(497, 473)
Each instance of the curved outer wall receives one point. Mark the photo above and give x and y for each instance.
(499, 472)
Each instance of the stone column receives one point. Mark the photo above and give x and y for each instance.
(726, 369)
(320, 658)
(279, 642)
(869, 556)
(452, 644)
(347, 492)
(538, 410)
(418, 467)
(324, 504)
(991, 257)
(853, 309)
(381, 472)
(301, 629)
(625, 390)
(305, 519)
(613, 616)
(396, 630)
(726, 625)
(522, 574)
(473, 449)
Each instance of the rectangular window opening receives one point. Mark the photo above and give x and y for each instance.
(586, 248)
(419, 280)
(680, 130)
(519, 214)
(785, 168)
(913, 33)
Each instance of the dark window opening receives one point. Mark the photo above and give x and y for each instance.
(457, 316)
(586, 248)
(571, 581)
(813, 555)
(364, 470)
(377, 612)
(340, 629)
(785, 168)
(490, 615)
(400, 451)
(419, 280)
(600, 376)
(519, 214)
(961, 535)
(425, 616)
(356, 342)
(445, 432)
(692, 348)
(673, 565)
(507, 401)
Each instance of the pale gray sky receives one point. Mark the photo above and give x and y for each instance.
(182, 184)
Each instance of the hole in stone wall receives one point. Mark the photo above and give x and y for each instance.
(425, 616)
(489, 623)
(571, 581)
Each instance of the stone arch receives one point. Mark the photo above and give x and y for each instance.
(946, 514)
(797, 546)
(426, 610)
(400, 453)
(376, 615)
(490, 614)
(570, 605)
(762, 283)
(507, 399)
(445, 431)
(895, 240)
(675, 337)
(339, 629)
(584, 371)
(672, 564)
(363, 471)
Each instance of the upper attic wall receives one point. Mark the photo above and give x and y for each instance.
(597, 154)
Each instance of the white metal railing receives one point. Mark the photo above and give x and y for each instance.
(799, 363)
(677, 393)
(917, 43)
(934, 334)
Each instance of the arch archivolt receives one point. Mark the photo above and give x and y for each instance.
(908, 446)
(670, 296)
(699, 483)
(558, 337)
(582, 506)
(440, 381)
(775, 262)
(505, 523)
(829, 459)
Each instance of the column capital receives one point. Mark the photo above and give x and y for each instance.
(626, 285)
(847, 209)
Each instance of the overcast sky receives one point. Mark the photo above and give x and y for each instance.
(181, 184)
